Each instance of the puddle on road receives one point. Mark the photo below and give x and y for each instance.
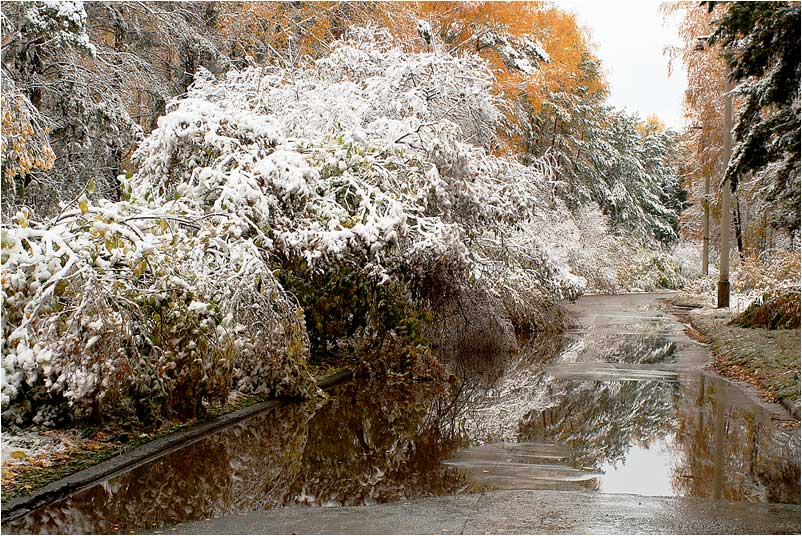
(648, 471)
(619, 406)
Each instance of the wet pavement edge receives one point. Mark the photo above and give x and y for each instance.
(143, 454)
(517, 512)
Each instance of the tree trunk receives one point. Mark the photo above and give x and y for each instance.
(739, 236)
(553, 133)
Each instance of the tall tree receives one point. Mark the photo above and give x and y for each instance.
(761, 44)
(96, 75)
(535, 50)
(701, 144)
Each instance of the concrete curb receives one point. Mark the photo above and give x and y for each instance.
(142, 455)
(791, 406)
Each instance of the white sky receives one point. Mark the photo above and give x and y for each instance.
(629, 38)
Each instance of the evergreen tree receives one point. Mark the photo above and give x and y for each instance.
(760, 41)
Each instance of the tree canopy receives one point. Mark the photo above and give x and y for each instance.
(761, 45)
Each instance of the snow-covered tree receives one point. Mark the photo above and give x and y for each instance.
(98, 74)
(761, 43)
(350, 207)
(607, 157)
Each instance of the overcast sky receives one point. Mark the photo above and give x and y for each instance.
(629, 38)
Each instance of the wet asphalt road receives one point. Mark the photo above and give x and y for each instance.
(533, 511)
(631, 340)
(517, 512)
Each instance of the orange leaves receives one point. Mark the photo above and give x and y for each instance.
(567, 65)
(258, 29)
(24, 147)
(294, 31)
(566, 44)
(568, 47)
(702, 143)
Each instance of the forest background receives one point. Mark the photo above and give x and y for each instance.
(201, 199)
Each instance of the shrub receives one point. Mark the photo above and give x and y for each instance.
(774, 310)
(110, 314)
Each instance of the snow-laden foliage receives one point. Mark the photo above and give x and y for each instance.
(629, 173)
(761, 45)
(63, 22)
(360, 189)
(24, 147)
(97, 75)
(374, 158)
(118, 308)
(611, 262)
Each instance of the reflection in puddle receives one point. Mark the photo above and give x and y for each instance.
(647, 471)
(624, 408)
(730, 450)
(532, 465)
(370, 442)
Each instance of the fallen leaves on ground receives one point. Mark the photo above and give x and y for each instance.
(737, 372)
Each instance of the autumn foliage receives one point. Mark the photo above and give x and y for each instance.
(533, 48)
(23, 144)
(564, 42)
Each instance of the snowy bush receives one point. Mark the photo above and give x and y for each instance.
(776, 269)
(373, 159)
(688, 256)
(361, 189)
(116, 310)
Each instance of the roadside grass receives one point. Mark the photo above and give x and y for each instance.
(767, 359)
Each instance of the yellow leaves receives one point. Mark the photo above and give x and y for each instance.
(139, 269)
(22, 218)
(24, 149)
(651, 125)
(568, 47)
(18, 455)
(83, 204)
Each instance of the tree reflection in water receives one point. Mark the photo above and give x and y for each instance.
(376, 441)
(757, 461)
(369, 442)
(647, 347)
(601, 420)
(246, 467)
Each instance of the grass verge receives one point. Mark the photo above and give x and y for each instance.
(767, 359)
